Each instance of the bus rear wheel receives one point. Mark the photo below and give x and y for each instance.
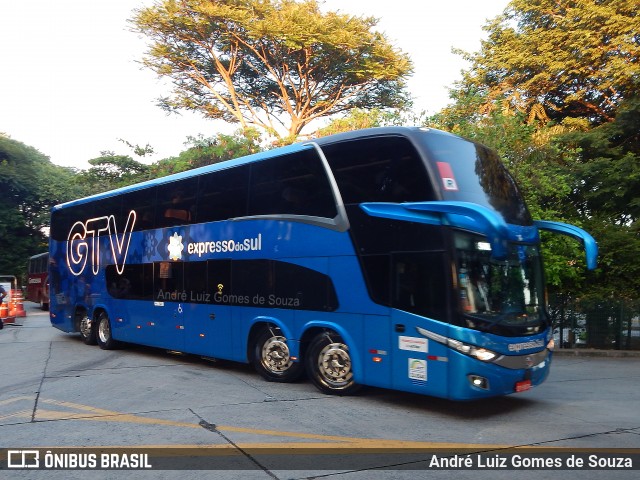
(272, 359)
(103, 333)
(329, 365)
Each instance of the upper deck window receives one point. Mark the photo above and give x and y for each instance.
(378, 169)
(294, 184)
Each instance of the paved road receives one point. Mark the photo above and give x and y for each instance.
(57, 392)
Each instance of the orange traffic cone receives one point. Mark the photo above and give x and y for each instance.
(17, 300)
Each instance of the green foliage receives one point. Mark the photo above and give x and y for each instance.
(207, 151)
(111, 171)
(607, 193)
(358, 119)
(575, 59)
(608, 167)
(270, 63)
(137, 149)
(30, 186)
(554, 90)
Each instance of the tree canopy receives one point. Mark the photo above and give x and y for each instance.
(560, 59)
(272, 64)
(30, 186)
(109, 171)
(607, 195)
(608, 167)
(554, 89)
(204, 151)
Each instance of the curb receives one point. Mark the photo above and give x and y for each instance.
(591, 352)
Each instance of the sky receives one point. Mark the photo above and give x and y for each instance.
(71, 84)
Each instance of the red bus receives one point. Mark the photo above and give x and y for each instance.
(38, 280)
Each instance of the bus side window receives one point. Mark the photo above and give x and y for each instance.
(180, 214)
(168, 277)
(386, 169)
(135, 283)
(294, 184)
(176, 203)
(63, 220)
(143, 203)
(418, 284)
(223, 194)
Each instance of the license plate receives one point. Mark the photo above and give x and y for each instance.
(523, 386)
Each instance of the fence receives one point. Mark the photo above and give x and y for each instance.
(596, 323)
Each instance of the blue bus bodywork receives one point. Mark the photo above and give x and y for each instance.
(269, 287)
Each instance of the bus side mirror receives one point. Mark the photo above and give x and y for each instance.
(463, 215)
(588, 242)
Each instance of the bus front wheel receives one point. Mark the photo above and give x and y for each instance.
(272, 359)
(103, 333)
(329, 365)
(87, 330)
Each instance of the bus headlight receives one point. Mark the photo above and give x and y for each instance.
(478, 353)
(481, 354)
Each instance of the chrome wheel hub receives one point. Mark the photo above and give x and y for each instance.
(104, 331)
(275, 355)
(85, 327)
(334, 363)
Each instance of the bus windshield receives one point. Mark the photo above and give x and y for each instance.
(504, 297)
(470, 172)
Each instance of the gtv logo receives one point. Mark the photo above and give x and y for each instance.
(83, 242)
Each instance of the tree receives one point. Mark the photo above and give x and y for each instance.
(557, 59)
(358, 118)
(272, 64)
(30, 186)
(606, 191)
(109, 171)
(207, 151)
(608, 168)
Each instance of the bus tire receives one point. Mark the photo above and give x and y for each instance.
(103, 333)
(272, 359)
(329, 365)
(87, 330)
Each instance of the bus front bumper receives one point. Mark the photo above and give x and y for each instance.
(473, 379)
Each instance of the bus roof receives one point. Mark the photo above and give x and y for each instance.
(256, 157)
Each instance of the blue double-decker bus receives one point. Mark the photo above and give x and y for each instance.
(398, 257)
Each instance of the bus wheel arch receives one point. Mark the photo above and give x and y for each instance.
(329, 363)
(104, 336)
(85, 326)
(270, 355)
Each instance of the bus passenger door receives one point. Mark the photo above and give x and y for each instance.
(207, 286)
(418, 297)
(170, 302)
(163, 327)
(419, 364)
(208, 330)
